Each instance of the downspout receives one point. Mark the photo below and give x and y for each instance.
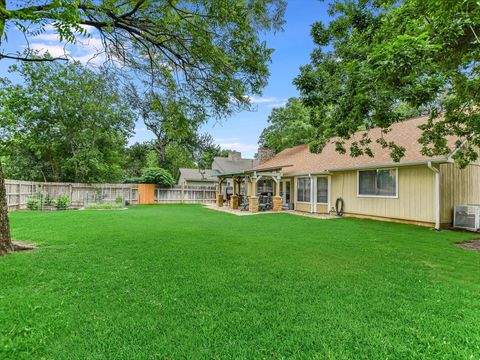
(437, 194)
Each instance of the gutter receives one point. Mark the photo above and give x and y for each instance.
(375, 166)
(437, 194)
(393, 164)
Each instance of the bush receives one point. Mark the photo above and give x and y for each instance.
(134, 180)
(157, 176)
(119, 200)
(47, 200)
(62, 202)
(33, 203)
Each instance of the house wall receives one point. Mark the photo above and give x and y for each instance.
(415, 201)
(322, 209)
(307, 207)
(458, 187)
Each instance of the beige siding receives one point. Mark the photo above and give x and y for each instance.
(415, 202)
(458, 186)
(322, 209)
(307, 207)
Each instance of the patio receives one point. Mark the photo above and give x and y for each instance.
(252, 191)
(239, 212)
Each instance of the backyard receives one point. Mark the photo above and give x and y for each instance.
(183, 281)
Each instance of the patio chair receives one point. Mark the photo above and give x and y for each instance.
(263, 203)
(244, 203)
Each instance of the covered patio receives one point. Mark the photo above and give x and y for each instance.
(252, 190)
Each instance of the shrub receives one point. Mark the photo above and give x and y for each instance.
(47, 200)
(157, 176)
(119, 200)
(62, 202)
(33, 203)
(133, 180)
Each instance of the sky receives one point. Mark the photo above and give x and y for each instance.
(240, 131)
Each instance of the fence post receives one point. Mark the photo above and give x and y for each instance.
(19, 196)
(183, 193)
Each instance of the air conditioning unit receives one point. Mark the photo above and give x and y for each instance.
(467, 217)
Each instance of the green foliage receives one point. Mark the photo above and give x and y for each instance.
(281, 286)
(137, 158)
(376, 57)
(289, 126)
(206, 151)
(69, 124)
(157, 176)
(133, 180)
(209, 54)
(119, 200)
(34, 203)
(62, 202)
(104, 206)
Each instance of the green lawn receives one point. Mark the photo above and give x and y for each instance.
(185, 282)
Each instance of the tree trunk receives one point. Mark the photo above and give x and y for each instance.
(5, 240)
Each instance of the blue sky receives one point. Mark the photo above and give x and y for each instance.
(241, 131)
(292, 50)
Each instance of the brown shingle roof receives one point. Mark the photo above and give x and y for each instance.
(404, 134)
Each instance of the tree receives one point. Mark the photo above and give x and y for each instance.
(136, 158)
(68, 123)
(289, 126)
(205, 150)
(375, 55)
(172, 119)
(209, 50)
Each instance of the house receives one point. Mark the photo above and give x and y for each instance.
(197, 177)
(418, 189)
(207, 177)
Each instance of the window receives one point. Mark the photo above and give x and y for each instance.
(381, 182)
(322, 190)
(303, 189)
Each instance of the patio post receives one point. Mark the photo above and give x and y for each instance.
(277, 199)
(253, 200)
(234, 198)
(219, 198)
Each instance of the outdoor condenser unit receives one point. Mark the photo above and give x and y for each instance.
(467, 217)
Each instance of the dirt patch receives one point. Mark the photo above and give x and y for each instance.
(473, 245)
(23, 246)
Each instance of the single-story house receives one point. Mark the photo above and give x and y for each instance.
(418, 189)
(197, 177)
(207, 177)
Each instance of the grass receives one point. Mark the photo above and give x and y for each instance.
(185, 282)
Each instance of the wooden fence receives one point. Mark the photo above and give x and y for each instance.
(18, 193)
(186, 194)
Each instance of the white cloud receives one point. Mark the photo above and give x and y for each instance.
(268, 101)
(238, 146)
(277, 104)
(88, 49)
(54, 50)
(262, 100)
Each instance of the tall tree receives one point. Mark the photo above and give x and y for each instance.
(206, 150)
(374, 55)
(211, 49)
(172, 119)
(71, 123)
(289, 126)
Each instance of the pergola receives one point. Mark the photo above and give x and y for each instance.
(251, 179)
